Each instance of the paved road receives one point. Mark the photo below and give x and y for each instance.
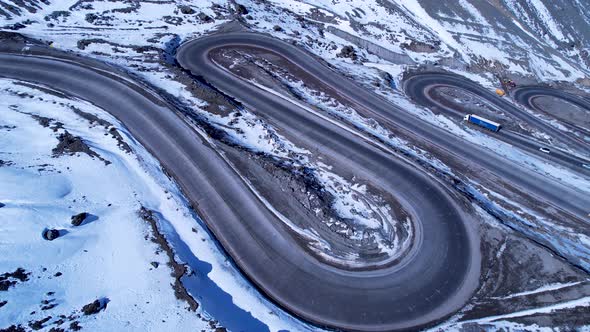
(437, 280)
(526, 95)
(378, 300)
(421, 85)
(193, 55)
(433, 284)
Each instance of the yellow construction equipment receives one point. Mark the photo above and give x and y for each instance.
(500, 92)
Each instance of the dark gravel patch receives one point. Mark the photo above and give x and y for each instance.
(95, 307)
(75, 326)
(70, 145)
(49, 306)
(56, 329)
(113, 131)
(13, 328)
(91, 117)
(39, 324)
(48, 122)
(56, 15)
(178, 270)
(10, 279)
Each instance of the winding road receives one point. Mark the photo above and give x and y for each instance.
(423, 288)
(420, 87)
(427, 286)
(194, 55)
(527, 95)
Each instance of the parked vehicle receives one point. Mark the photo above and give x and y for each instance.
(482, 122)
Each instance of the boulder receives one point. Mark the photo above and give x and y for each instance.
(241, 9)
(348, 52)
(186, 10)
(94, 307)
(50, 234)
(204, 17)
(78, 219)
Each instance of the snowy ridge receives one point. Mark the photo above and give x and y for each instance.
(482, 35)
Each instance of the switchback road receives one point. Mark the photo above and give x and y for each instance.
(427, 286)
(421, 86)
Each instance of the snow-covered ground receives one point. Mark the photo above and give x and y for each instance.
(463, 33)
(472, 38)
(109, 40)
(111, 256)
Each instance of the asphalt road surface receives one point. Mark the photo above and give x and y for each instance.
(527, 96)
(428, 286)
(420, 86)
(193, 55)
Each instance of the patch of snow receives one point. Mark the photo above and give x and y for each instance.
(547, 19)
(110, 256)
(581, 302)
(414, 9)
(546, 288)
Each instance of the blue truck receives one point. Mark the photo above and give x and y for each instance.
(478, 120)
